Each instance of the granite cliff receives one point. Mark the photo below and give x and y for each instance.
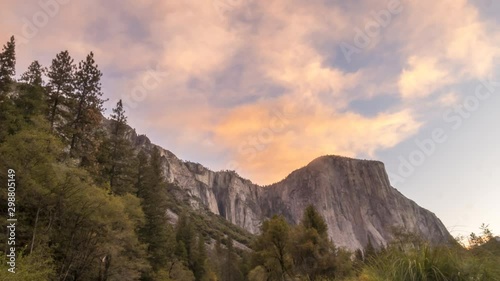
(354, 196)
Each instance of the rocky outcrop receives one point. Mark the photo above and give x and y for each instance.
(356, 199)
(354, 196)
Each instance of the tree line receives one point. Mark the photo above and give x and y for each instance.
(92, 206)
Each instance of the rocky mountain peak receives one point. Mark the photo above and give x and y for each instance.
(356, 199)
(354, 196)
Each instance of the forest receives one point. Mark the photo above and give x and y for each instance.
(91, 205)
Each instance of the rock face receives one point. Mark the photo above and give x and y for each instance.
(356, 200)
(354, 196)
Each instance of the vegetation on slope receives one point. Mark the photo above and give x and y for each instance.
(92, 207)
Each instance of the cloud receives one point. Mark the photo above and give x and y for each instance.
(449, 99)
(422, 78)
(471, 45)
(252, 73)
(453, 31)
(261, 137)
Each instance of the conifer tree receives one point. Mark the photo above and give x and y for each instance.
(157, 232)
(86, 109)
(312, 219)
(314, 255)
(116, 154)
(185, 236)
(63, 210)
(229, 269)
(60, 86)
(7, 64)
(33, 76)
(229, 261)
(272, 249)
(21, 110)
(198, 258)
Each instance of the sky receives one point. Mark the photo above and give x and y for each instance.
(265, 87)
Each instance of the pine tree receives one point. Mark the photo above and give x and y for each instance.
(312, 219)
(21, 110)
(229, 263)
(272, 249)
(10, 118)
(60, 86)
(33, 76)
(157, 232)
(63, 210)
(198, 259)
(228, 272)
(116, 155)
(314, 255)
(7, 65)
(86, 109)
(185, 236)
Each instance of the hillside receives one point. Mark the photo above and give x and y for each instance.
(353, 195)
(86, 198)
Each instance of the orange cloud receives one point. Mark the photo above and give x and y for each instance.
(267, 142)
(439, 42)
(422, 78)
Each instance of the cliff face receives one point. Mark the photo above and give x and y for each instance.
(354, 196)
(356, 199)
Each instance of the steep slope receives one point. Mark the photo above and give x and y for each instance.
(356, 199)
(354, 196)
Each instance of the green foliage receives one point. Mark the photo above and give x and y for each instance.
(176, 271)
(272, 249)
(7, 65)
(315, 256)
(257, 274)
(191, 248)
(97, 232)
(79, 224)
(116, 155)
(37, 266)
(157, 233)
(34, 74)
(475, 240)
(15, 112)
(225, 261)
(302, 252)
(60, 88)
(313, 220)
(62, 208)
(19, 112)
(86, 109)
(98, 211)
(410, 258)
(430, 264)
(198, 258)
(490, 248)
(369, 251)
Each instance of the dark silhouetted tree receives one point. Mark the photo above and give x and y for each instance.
(34, 74)
(7, 65)
(116, 155)
(86, 109)
(60, 87)
(157, 232)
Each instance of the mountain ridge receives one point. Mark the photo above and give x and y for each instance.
(354, 196)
